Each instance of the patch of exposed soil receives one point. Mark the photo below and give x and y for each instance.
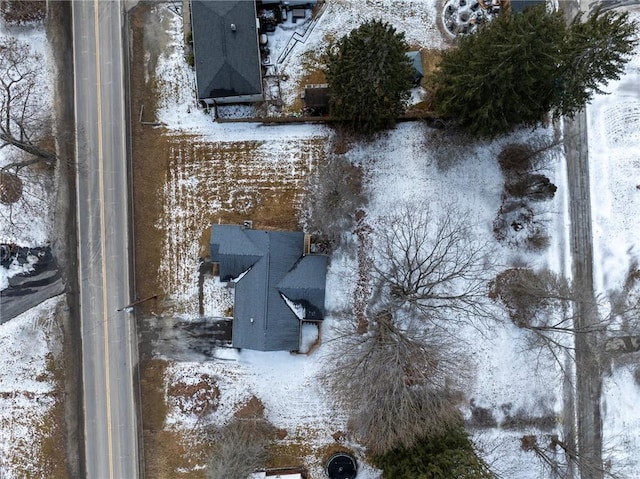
(252, 409)
(195, 398)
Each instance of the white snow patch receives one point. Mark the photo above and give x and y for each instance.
(614, 167)
(309, 335)
(296, 308)
(621, 423)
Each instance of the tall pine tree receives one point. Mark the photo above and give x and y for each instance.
(594, 52)
(369, 77)
(518, 68)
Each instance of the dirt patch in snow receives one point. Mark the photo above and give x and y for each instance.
(252, 409)
(195, 397)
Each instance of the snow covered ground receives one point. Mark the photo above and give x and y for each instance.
(511, 381)
(614, 155)
(26, 383)
(614, 163)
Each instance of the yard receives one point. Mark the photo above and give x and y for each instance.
(191, 172)
(32, 421)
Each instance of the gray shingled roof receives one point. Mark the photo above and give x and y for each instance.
(227, 62)
(274, 266)
(518, 6)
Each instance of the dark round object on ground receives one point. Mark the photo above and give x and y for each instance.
(342, 466)
(10, 188)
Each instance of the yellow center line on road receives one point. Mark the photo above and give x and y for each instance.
(103, 229)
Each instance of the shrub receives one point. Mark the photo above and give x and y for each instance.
(532, 187)
(516, 158)
(10, 188)
(241, 448)
(19, 12)
(334, 195)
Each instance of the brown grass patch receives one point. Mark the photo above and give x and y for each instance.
(170, 454)
(154, 407)
(252, 409)
(150, 164)
(52, 448)
(288, 453)
(175, 456)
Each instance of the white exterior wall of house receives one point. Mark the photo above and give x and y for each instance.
(264, 475)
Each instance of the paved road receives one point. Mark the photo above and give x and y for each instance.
(108, 339)
(588, 367)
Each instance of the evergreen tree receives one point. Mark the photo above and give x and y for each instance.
(449, 456)
(594, 52)
(518, 68)
(369, 77)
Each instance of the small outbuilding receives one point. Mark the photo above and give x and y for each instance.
(416, 62)
(316, 98)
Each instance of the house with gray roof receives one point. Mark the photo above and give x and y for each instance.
(226, 52)
(277, 285)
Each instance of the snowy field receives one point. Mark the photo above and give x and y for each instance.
(26, 383)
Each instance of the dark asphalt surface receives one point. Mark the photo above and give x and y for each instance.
(27, 290)
(109, 353)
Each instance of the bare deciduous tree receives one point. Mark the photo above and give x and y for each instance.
(432, 262)
(544, 303)
(521, 158)
(558, 458)
(22, 116)
(333, 199)
(530, 296)
(393, 382)
(241, 448)
(23, 11)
